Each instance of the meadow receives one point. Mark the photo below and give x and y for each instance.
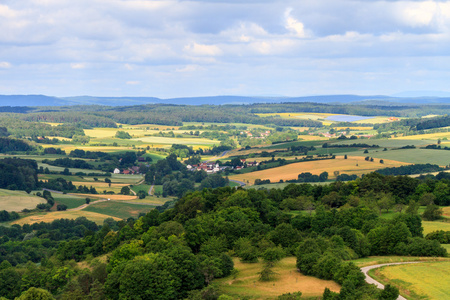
(18, 200)
(353, 165)
(428, 280)
(287, 280)
(117, 209)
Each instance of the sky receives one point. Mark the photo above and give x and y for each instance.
(181, 48)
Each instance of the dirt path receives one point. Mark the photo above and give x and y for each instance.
(370, 280)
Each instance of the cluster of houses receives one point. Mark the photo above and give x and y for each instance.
(211, 167)
(261, 135)
(130, 171)
(206, 166)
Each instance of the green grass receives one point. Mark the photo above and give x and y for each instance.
(69, 200)
(386, 143)
(428, 280)
(119, 209)
(447, 247)
(141, 187)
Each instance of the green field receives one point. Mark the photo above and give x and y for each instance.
(18, 200)
(119, 209)
(70, 200)
(430, 280)
(141, 187)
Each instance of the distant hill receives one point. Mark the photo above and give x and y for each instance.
(42, 100)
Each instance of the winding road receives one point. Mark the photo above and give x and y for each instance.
(370, 280)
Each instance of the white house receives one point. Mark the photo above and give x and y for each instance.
(116, 171)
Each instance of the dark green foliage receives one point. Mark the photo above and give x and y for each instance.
(13, 145)
(123, 135)
(410, 169)
(18, 174)
(389, 293)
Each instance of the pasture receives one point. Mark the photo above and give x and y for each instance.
(120, 210)
(288, 280)
(353, 165)
(418, 281)
(18, 200)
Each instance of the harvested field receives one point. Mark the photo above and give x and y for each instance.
(18, 200)
(353, 165)
(51, 216)
(288, 280)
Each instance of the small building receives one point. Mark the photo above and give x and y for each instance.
(116, 171)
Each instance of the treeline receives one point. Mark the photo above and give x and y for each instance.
(410, 169)
(13, 145)
(354, 145)
(69, 163)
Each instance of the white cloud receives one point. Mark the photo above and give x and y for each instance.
(202, 50)
(133, 82)
(5, 65)
(78, 66)
(294, 25)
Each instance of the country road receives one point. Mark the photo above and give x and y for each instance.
(370, 280)
(238, 182)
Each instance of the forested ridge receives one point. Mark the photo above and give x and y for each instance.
(175, 253)
(174, 115)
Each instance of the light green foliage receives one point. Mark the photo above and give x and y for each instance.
(36, 294)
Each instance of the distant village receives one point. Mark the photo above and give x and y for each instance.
(208, 167)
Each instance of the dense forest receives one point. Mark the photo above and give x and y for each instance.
(176, 253)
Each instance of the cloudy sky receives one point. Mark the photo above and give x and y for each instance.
(223, 47)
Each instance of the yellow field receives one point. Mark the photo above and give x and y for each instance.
(100, 186)
(353, 165)
(419, 281)
(354, 128)
(311, 138)
(430, 226)
(433, 137)
(51, 216)
(18, 200)
(288, 280)
(376, 120)
(112, 197)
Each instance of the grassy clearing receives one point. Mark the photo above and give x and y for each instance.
(430, 226)
(170, 141)
(352, 165)
(118, 209)
(18, 200)
(418, 281)
(51, 216)
(288, 280)
(111, 197)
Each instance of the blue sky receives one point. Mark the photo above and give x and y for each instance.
(199, 48)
